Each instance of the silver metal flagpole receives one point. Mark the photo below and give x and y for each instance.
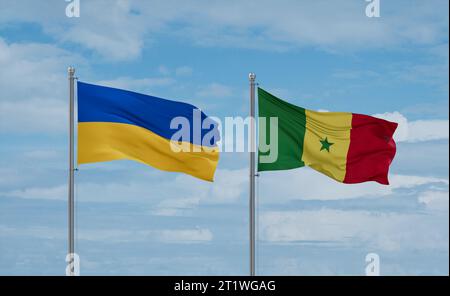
(71, 72)
(252, 77)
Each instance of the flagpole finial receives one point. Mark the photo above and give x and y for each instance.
(71, 70)
(251, 76)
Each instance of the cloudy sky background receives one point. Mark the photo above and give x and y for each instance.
(132, 219)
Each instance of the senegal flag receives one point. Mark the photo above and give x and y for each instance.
(348, 147)
(118, 124)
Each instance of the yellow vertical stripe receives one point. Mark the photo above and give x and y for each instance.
(106, 141)
(323, 128)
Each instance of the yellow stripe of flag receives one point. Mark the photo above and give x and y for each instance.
(105, 141)
(326, 142)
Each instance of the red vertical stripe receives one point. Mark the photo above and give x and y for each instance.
(371, 150)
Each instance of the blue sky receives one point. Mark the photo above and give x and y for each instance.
(133, 219)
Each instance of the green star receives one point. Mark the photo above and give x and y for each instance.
(325, 145)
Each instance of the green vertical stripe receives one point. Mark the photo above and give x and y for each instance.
(291, 131)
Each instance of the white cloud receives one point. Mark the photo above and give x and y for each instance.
(164, 198)
(42, 154)
(185, 235)
(180, 236)
(196, 235)
(110, 28)
(147, 84)
(215, 90)
(10, 176)
(176, 206)
(111, 192)
(163, 70)
(34, 115)
(407, 181)
(319, 23)
(427, 130)
(119, 30)
(307, 184)
(435, 200)
(33, 231)
(183, 71)
(179, 71)
(229, 187)
(33, 89)
(107, 27)
(380, 231)
(137, 84)
(417, 131)
(34, 70)
(51, 193)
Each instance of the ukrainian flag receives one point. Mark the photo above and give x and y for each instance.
(118, 124)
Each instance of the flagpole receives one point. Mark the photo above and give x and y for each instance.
(252, 77)
(71, 202)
